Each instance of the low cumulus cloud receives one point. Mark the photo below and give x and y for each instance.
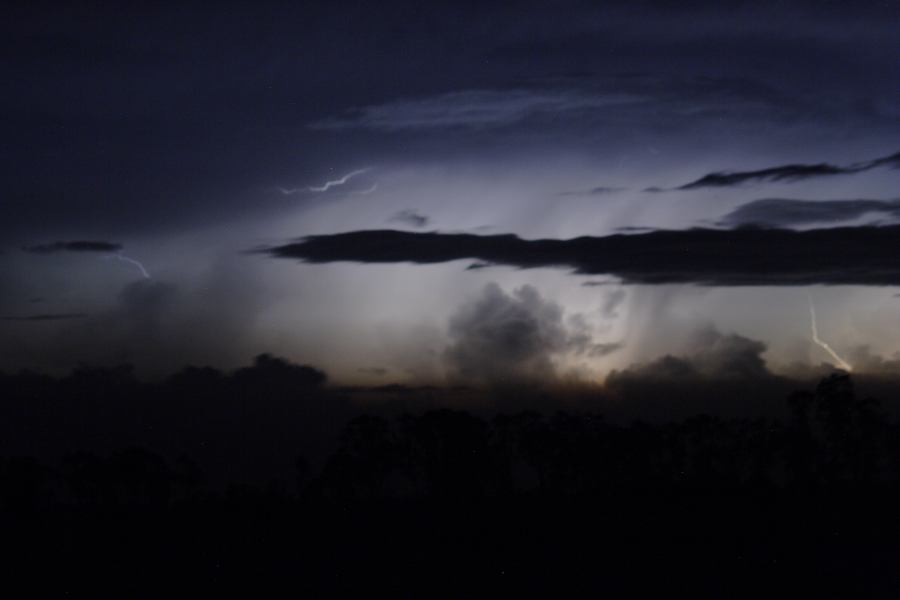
(74, 246)
(710, 354)
(744, 256)
(784, 212)
(509, 338)
(717, 373)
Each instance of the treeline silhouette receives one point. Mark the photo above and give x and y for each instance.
(130, 486)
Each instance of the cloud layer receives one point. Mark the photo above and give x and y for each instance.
(748, 256)
(471, 109)
(74, 246)
(784, 212)
(45, 317)
(788, 173)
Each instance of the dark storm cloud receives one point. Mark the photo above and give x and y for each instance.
(788, 173)
(502, 337)
(410, 217)
(714, 355)
(513, 338)
(745, 256)
(598, 283)
(635, 229)
(45, 317)
(892, 161)
(783, 212)
(74, 246)
(595, 191)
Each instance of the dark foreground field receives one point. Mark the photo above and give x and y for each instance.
(440, 503)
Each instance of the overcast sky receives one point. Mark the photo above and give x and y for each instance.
(162, 167)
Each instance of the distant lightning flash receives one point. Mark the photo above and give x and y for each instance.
(327, 185)
(367, 190)
(132, 261)
(824, 345)
(341, 181)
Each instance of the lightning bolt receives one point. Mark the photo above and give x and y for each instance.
(327, 185)
(131, 261)
(824, 345)
(367, 190)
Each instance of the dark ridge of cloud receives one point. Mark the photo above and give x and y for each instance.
(635, 229)
(782, 212)
(427, 394)
(479, 265)
(892, 161)
(45, 317)
(598, 283)
(398, 389)
(787, 173)
(74, 246)
(411, 218)
(595, 191)
(745, 256)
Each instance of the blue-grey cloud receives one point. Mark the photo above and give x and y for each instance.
(472, 109)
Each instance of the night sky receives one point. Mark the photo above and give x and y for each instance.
(449, 193)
